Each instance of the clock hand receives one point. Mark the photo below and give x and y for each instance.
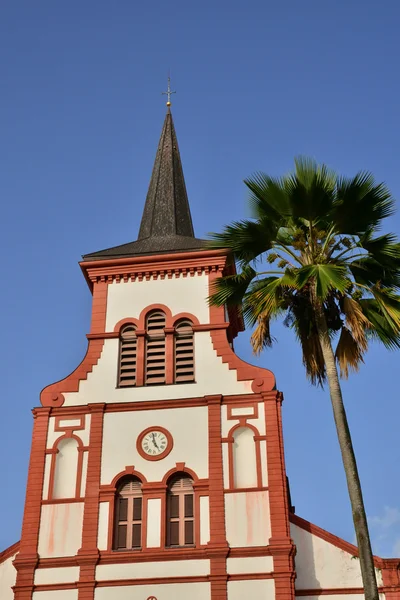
(154, 440)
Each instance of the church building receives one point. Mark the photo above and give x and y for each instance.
(157, 467)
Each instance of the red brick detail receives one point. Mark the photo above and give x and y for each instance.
(281, 546)
(26, 561)
(217, 546)
(263, 379)
(52, 395)
(8, 552)
(391, 577)
(88, 555)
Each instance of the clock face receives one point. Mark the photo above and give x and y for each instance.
(154, 443)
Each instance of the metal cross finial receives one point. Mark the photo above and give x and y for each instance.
(168, 92)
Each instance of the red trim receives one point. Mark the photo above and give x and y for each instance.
(217, 546)
(330, 537)
(185, 315)
(252, 415)
(263, 379)
(230, 440)
(170, 443)
(10, 551)
(118, 326)
(27, 558)
(52, 395)
(281, 545)
(59, 419)
(179, 468)
(129, 471)
(54, 452)
(88, 554)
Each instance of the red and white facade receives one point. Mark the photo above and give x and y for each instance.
(223, 432)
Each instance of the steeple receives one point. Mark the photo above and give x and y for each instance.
(166, 224)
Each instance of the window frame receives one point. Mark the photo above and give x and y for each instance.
(130, 521)
(182, 519)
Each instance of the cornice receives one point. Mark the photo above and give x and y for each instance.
(163, 266)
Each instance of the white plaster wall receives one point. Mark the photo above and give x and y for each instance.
(46, 481)
(225, 464)
(204, 519)
(56, 595)
(188, 427)
(247, 519)
(337, 597)
(83, 434)
(264, 466)
(8, 575)
(169, 568)
(102, 535)
(85, 458)
(250, 564)
(66, 469)
(251, 588)
(212, 377)
(59, 575)
(153, 522)
(320, 564)
(244, 458)
(180, 294)
(170, 591)
(60, 529)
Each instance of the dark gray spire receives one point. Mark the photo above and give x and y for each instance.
(167, 211)
(166, 224)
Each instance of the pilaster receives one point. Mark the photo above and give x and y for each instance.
(26, 561)
(88, 555)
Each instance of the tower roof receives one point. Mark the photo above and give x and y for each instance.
(166, 224)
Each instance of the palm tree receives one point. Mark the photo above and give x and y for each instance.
(312, 255)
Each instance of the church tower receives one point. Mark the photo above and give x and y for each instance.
(157, 468)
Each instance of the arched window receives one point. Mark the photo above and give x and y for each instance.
(184, 352)
(244, 458)
(128, 515)
(180, 511)
(127, 356)
(155, 348)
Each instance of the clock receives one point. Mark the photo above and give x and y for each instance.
(154, 443)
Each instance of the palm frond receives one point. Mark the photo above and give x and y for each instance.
(325, 276)
(261, 337)
(356, 321)
(268, 198)
(230, 289)
(349, 353)
(361, 204)
(246, 239)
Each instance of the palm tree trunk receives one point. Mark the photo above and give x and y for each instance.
(349, 459)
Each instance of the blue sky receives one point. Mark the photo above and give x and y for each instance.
(258, 83)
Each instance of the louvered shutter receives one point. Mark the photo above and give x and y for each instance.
(184, 352)
(181, 512)
(129, 516)
(127, 356)
(155, 348)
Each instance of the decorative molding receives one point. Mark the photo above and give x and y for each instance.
(9, 552)
(163, 266)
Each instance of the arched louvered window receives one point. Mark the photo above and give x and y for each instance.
(184, 352)
(127, 356)
(128, 516)
(155, 348)
(180, 512)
